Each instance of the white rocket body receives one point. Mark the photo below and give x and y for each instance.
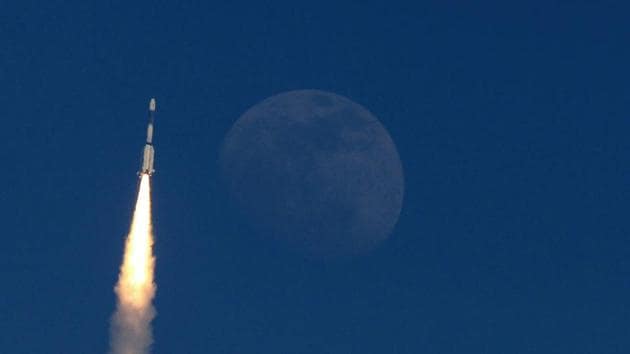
(147, 160)
(148, 155)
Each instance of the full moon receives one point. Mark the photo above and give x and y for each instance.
(315, 172)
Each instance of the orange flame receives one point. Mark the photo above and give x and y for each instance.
(131, 327)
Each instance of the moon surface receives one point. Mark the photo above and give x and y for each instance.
(316, 172)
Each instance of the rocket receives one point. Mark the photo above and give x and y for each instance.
(148, 153)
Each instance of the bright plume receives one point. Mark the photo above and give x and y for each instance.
(131, 323)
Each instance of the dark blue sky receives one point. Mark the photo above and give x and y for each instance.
(511, 121)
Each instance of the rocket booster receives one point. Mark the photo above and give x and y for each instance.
(149, 154)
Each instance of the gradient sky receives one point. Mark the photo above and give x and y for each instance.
(512, 123)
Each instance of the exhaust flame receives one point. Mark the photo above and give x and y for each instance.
(131, 323)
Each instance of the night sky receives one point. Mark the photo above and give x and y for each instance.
(511, 123)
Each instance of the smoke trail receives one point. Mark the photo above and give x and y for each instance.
(131, 323)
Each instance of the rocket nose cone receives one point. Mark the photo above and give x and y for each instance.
(152, 105)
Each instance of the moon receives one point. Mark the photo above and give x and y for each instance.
(315, 172)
